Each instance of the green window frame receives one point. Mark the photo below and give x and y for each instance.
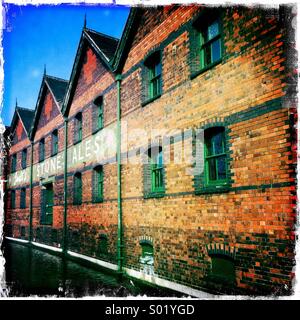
(157, 172)
(78, 128)
(102, 244)
(42, 150)
(97, 114)
(210, 43)
(13, 199)
(147, 256)
(14, 163)
(77, 192)
(152, 78)
(24, 158)
(98, 184)
(223, 269)
(215, 156)
(54, 147)
(23, 198)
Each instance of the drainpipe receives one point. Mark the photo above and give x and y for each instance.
(31, 194)
(65, 227)
(120, 231)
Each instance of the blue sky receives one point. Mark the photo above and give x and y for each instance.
(47, 34)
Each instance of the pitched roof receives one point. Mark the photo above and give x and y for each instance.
(58, 87)
(26, 116)
(124, 44)
(105, 47)
(105, 43)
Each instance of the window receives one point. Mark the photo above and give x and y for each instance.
(42, 150)
(78, 128)
(98, 184)
(147, 257)
(205, 37)
(157, 179)
(210, 44)
(24, 158)
(23, 231)
(222, 268)
(215, 156)
(102, 244)
(152, 77)
(13, 199)
(97, 114)
(23, 199)
(77, 189)
(54, 149)
(14, 163)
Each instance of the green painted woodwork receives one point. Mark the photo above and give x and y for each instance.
(31, 193)
(100, 116)
(47, 204)
(65, 222)
(14, 163)
(54, 149)
(24, 158)
(223, 269)
(78, 128)
(23, 198)
(97, 188)
(147, 249)
(42, 150)
(119, 177)
(13, 199)
(102, 244)
(157, 179)
(210, 44)
(77, 192)
(155, 79)
(215, 156)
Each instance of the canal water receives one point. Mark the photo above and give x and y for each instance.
(32, 272)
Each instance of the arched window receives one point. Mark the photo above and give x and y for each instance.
(77, 189)
(97, 188)
(222, 268)
(147, 256)
(215, 156)
(97, 114)
(78, 128)
(102, 244)
(54, 148)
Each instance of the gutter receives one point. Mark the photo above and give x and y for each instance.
(31, 194)
(120, 227)
(65, 226)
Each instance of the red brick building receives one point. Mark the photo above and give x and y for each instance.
(178, 167)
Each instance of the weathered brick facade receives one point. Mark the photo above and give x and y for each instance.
(195, 228)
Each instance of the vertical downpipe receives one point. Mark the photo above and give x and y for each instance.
(65, 227)
(31, 194)
(120, 231)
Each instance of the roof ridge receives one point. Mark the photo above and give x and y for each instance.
(103, 34)
(56, 78)
(26, 109)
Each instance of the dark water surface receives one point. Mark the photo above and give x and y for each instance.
(31, 272)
